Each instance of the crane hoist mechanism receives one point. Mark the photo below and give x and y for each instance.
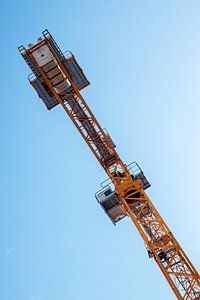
(58, 79)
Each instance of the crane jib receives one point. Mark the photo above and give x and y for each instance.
(58, 79)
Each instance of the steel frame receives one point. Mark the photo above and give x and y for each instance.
(161, 244)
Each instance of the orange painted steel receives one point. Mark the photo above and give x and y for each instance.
(159, 240)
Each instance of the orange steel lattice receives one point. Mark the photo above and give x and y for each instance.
(61, 88)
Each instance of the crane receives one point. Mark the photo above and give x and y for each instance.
(58, 79)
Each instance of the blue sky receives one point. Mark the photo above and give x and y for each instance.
(143, 61)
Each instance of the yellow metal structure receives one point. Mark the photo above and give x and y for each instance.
(53, 73)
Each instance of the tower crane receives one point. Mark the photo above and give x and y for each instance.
(58, 79)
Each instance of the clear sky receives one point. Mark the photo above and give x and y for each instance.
(143, 61)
